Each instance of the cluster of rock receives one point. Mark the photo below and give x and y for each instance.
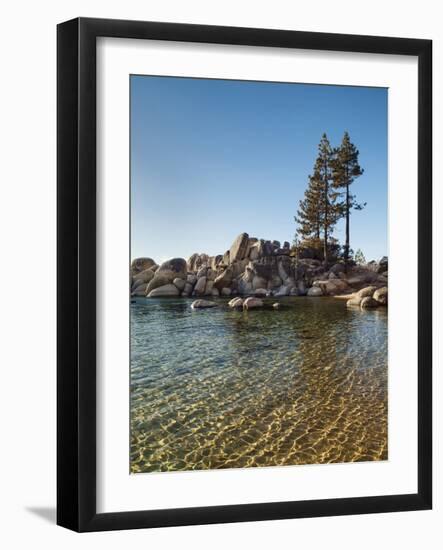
(369, 297)
(235, 303)
(251, 267)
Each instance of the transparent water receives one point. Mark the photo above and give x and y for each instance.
(220, 388)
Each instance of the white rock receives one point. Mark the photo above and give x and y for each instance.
(381, 295)
(251, 303)
(165, 290)
(201, 304)
(367, 291)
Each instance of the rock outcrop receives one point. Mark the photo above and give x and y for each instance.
(259, 268)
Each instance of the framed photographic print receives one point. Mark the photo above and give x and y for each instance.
(235, 206)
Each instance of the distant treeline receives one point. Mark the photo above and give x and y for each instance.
(328, 198)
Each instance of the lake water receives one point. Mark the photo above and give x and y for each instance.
(221, 388)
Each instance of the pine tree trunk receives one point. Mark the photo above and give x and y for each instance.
(325, 242)
(325, 247)
(347, 228)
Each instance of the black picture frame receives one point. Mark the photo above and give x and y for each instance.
(76, 280)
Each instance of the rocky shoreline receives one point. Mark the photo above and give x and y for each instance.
(253, 269)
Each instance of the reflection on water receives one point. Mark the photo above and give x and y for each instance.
(219, 388)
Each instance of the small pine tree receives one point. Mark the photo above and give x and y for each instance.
(359, 257)
(319, 210)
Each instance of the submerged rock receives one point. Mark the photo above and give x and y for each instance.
(201, 304)
(235, 302)
(251, 303)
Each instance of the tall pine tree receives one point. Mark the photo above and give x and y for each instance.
(309, 215)
(331, 211)
(318, 211)
(345, 170)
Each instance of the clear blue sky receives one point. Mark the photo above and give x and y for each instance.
(213, 158)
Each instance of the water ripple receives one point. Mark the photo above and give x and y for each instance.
(220, 388)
